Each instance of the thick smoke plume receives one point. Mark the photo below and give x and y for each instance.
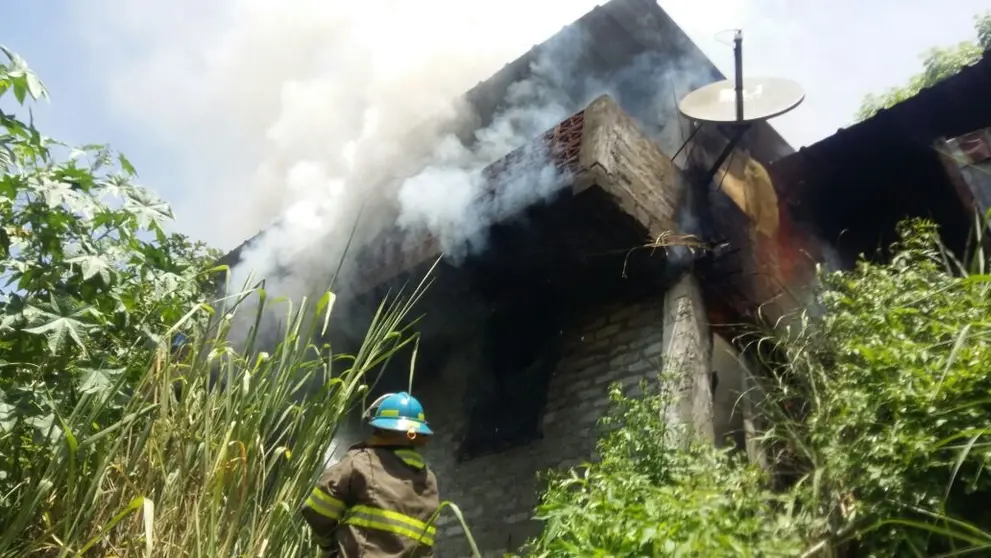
(423, 181)
(310, 116)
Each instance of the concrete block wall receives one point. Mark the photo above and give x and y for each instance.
(498, 492)
(618, 158)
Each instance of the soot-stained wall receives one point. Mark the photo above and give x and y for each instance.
(498, 492)
(629, 341)
(622, 342)
(663, 327)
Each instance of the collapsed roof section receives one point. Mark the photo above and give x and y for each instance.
(968, 162)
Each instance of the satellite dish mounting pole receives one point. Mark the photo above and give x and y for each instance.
(738, 59)
(740, 126)
(722, 103)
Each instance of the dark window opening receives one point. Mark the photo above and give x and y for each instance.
(505, 400)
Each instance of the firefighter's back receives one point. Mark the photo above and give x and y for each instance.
(377, 501)
(395, 497)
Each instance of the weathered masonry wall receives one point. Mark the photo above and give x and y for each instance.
(497, 493)
(667, 332)
(617, 343)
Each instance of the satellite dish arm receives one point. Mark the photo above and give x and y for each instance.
(734, 140)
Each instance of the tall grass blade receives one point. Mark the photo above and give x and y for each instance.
(217, 446)
(135, 505)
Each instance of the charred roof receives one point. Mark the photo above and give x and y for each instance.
(855, 185)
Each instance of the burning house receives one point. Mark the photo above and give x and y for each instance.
(618, 258)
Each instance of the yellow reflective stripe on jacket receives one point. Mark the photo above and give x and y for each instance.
(393, 522)
(411, 458)
(325, 505)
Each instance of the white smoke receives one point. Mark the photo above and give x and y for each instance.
(443, 199)
(301, 111)
(444, 193)
(343, 199)
(239, 92)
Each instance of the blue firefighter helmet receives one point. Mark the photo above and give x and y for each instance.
(178, 340)
(180, 346)
(400, 412)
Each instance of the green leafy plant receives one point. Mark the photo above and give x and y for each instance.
(88, 277)
(213, 453)
(878, 438)
(650, 495)
(114, 440)
(888, 427)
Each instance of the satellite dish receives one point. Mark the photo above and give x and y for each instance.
(763, 98)
(740, 101)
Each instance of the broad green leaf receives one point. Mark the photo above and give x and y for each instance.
(46, 425)
(15, 59)
(7, 417)
(62, 322)
(7, 156)
(126, 165)
(115, 186)
(147, 208)
(93, 265)
(99, 381)
(20, 90)
(55, 193)
(35, 88)
(82, 205)
(167, 283)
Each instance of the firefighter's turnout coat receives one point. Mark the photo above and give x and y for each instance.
(376, 503)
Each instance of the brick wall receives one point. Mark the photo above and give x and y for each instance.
(613, 343)
(498, 493)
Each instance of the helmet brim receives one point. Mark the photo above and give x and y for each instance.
(401, 425)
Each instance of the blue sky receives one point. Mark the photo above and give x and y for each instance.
(207, 106)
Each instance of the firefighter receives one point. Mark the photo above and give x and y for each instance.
(378, 500)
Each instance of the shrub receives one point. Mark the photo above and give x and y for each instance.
(111, 442)
(90, 278)
(892, 438)
(219, 471)
(649, 495)
(879, 418)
